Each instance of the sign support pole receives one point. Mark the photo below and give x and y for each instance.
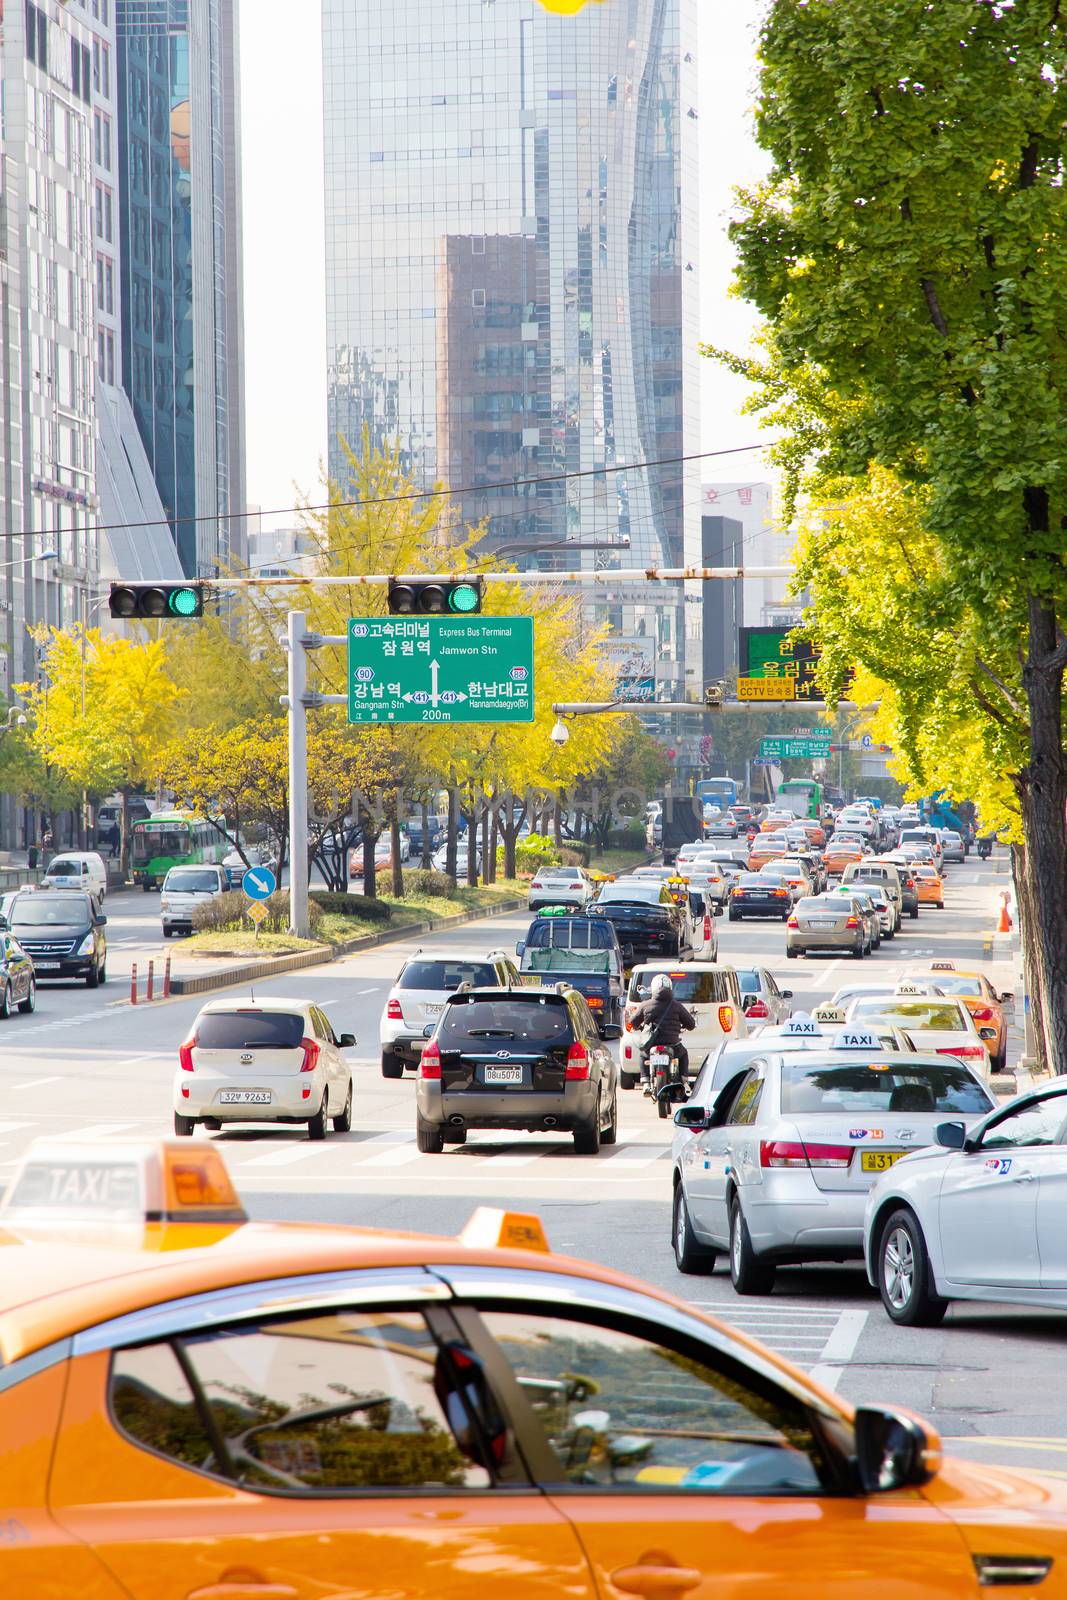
(298, 779)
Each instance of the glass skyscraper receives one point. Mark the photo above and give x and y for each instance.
(179, 207)
(511, 287)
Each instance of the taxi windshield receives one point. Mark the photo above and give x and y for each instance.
(944, 1017)
(958, 985)
(44, 910)
(829, 1086)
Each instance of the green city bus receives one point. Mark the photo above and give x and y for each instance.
(172, 839)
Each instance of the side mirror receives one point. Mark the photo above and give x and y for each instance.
(787, 994)
(693, 1117)
(427, 1032)
(346, 1041)
(100, 921)
(951, 1135)
(464, 1395)
(3, 924)
(719, 909)
(520, 947)
(1006, 998)
(628, 953)
(894, 1450)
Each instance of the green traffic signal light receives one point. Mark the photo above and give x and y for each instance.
(464, 597)
(432, 598)
(184, 602)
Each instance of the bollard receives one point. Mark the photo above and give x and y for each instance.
(133, 984)
(151, 981)
(166, 979)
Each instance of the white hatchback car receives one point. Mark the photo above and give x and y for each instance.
(185, 888)
(263, 1061)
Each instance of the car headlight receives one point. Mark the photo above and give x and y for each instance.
(164, 905)
(86, 946)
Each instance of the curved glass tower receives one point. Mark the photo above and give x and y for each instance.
(511, 253)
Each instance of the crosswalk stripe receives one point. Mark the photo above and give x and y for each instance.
(396, 1156)
(284, 1156)
(95, 1130)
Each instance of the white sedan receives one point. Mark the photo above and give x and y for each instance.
(941, 1024)
(976, 1216)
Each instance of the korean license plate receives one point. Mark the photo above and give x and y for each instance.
(817, 923)
(659, 1058)
(244, 1097)
(503, 1074)
(879, 1160)
(47, 966)
(433, 1011)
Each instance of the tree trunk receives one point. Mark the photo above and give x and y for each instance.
(485, 841)
(494, 833)
(370, 872)
(427, 855)
(124, 832)
(1044, 808)
(472, 844)
(1024, 894)
(557, 824)
(394, 854)
(452, 836)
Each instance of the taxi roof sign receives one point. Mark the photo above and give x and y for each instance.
(828, 1014)
(801, 1028)
(492, 1229)
(850, 1039)
(908, 988)
(145, 1181)
(942, 966)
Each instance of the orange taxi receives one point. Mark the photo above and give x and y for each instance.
(928, 884)
(836, 857)
(195, 1407)
(763, 848)
(775, 820)
(986, 1004)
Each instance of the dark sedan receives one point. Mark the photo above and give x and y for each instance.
(756, 895)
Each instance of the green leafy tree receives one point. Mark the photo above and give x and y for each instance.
(909, 251)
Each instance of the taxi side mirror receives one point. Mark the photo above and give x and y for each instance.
(427, 1032)
(346, 1041)
(787, 994)
(1006, 998)
(520, 947)
(894, 1450)
(3, 924)
(101, 920)
(692, 1117)
(464, 1395)
(951, 1135)
(719, 910)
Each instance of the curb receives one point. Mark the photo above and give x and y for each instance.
(325, 954)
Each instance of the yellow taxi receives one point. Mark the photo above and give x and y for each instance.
(929, 885)
(763, 848)
(986, 1004)
(836, 857)
(196, 1407)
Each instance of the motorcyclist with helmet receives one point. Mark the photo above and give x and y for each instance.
(666, 1018)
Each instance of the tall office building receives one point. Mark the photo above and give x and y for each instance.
(179, 222)
(511, 285)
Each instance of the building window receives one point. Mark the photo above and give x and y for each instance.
(36, 35)
(478, 299)
(103, 212)
(105, 285)
(101, 69)
(105, 355)
(478, 245)
(102, 140)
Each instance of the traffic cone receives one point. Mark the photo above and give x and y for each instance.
(1004, 924)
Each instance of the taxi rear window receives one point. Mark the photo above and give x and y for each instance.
(821, 1086)
(249, 1030)
(698, 988)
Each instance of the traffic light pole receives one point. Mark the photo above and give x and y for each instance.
(298, 777)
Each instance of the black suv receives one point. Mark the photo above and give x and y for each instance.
(62, 932)
(527, 1058)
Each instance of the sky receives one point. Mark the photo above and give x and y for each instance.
(284, 250)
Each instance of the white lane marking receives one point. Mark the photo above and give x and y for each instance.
(398, 1156)
(511, 1161)
(13, 1127)
(371, 991)
(840, 1348)
(283, 1157)
(34, 1083)
(96, 1130)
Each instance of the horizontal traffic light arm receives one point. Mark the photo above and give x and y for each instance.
(610, 575)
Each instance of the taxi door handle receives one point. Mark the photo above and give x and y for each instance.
(244, 1589)
(656, 1576)
(1023, 1177)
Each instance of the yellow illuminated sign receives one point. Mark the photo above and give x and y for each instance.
(567, 8)
(766, 688)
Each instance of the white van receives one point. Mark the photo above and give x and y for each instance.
(708, 990)
(78, 870)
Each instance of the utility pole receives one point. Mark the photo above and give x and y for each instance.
(298, 778)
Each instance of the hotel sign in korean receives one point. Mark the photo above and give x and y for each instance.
(440, 669)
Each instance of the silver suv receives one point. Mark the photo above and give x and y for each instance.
(418, 997)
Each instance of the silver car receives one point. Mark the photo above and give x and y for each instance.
(761, 998)
(780, 1167)
(560, 886)
(827, 922)
(418, 997)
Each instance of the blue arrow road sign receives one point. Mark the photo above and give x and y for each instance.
(866, 741)
(259, 883)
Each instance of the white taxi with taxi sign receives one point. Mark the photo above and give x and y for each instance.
(204, 1407)
(940, 1023)
(780, 1161)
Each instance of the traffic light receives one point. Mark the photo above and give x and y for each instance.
(413, 598)
(182, 600)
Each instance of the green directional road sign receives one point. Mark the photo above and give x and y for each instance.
(784, 748)
(440, 669)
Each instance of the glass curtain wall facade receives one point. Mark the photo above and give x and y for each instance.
(181, 303)
(511, 285)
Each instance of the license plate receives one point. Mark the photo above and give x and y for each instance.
(879, 1160)
(244, 1097)
(660, 1058)
(47, 966)
(503, 1074)
(822, 924)
(433, 1011)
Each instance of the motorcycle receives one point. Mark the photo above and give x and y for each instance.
(985, 848)
(665, 1081)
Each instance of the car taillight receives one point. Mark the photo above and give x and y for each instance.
(852, 922)
(966, 1052)
(395, 1011)
(535, 883)
(758, 1008)
(185, 1053)
(311, 1055)
(909, 883)
(430, 1062)
(577, 1063)
(594, 1002)
(792, 923)
(707, 928)
(982, 1014)
(790, 1153)
(726, 1018)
